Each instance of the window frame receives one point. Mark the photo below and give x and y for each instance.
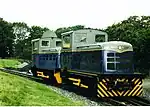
(45, 46)
(64, 44)
(103, 35)
(117, 64)
(34, 46)
(60, 43)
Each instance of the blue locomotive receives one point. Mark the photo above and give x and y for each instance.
(88, 60)
(46, 56)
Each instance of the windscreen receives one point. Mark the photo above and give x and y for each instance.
(99, 38)
(119, 62)
(66, 41)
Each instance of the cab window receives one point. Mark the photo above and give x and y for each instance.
(58, 44)
(66, 41)
(45, 43)
(99, 38)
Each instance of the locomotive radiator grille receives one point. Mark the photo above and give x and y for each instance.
(107, 88)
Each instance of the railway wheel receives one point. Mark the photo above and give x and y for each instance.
(34, 71)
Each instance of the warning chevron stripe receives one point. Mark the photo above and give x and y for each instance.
(133, 79)
(104, 80)
(126, 93)
(137, 85)
(136, 81)
(110, 94)
(114, 93)
(103, 90)
(140, 88)
(100, 93)
(103, 85)
(120, 93)
(140, 92)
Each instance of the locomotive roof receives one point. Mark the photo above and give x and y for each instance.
(49, 34)
(66, 33)
(83, 30)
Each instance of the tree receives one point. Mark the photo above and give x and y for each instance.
(6, 39)
(64, 29)
(37, 32)
(21, 32)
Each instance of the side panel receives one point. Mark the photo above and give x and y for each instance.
(86, 81)
(35, 60)
(46, 61)
(90, 61)
(83, 61)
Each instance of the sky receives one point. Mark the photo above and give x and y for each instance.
(63, 13)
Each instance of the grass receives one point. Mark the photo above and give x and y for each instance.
(18, 91)
(9, 63)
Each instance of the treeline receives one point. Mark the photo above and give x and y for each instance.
(15, 38)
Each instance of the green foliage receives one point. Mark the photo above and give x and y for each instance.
(6, 39)
(64, 29)
(37, 32)
(24, 35)
(135, 30)
(9, 63)
(19, 91)
(21, 32)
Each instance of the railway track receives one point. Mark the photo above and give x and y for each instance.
(23, 74)
(138, 101)
(121, 101)
(135, 101)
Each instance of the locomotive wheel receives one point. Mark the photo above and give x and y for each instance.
(91, 91)
(50, 80)
(92, 87)
(33, 70)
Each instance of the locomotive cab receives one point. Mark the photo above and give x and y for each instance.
(82, 38)
(81, 50)
(46, 55)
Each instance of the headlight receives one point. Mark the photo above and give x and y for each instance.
(123, 47)
(120, 47)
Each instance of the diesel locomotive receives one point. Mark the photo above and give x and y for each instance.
(46, 56)
(87, 59)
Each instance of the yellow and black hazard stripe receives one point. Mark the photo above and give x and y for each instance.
(103, 91)
(137, 89)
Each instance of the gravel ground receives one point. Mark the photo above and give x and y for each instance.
(74, 97)
(146, 95)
